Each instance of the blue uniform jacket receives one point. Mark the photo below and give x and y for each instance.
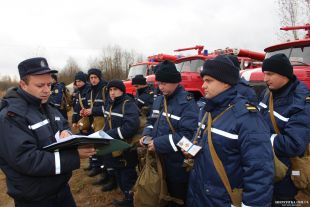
(124, 125)
(26, 126)
(76, 103)
(247, 91)
(97, 98)
(56, 94)
(292, 114)
(183, 114)
(144, 97)
(241, 140)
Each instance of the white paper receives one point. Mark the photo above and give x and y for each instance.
(98, 134)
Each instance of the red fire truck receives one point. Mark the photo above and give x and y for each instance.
(298, 51)
(146, 69)
(191, 66)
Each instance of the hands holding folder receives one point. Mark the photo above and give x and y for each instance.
(86, 145)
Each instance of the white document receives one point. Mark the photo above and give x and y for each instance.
(188, 146)
(98, 134)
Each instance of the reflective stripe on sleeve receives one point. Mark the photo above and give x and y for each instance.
(172, 143)
(57, 162)
(119, 133)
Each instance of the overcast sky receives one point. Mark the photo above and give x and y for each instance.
(59, 29)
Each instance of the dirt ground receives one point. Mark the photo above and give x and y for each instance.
(85, 194)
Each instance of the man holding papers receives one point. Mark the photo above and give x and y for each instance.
(36, 177)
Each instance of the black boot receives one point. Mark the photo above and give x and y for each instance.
(125, 202)
(103, 179)
(94, 171)
(109, 185)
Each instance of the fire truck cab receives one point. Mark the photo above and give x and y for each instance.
(298, 52)
(145, 68)
(190, 66)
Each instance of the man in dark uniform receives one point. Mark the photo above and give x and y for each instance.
(122, 122)
(79, 99)
(174, 115)
(35, 177)
(234, 140)
(96, 98)
(144, 94)
(288, 98)
(57, 93)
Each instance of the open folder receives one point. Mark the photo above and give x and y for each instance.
(101, 140)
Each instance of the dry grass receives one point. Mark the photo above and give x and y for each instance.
(84, 193)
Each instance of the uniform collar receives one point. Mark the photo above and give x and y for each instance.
(176, 91)
(221, 100)
(286, 89)
(28, 97)
(142, 90)
(118, 100)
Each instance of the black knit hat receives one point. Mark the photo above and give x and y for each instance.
(80, 76)
(222, 69)
(139, 80)
(280, 64)
(234, 60)
(34, 66)
(117, 84)
(167, 73)
(96, 72)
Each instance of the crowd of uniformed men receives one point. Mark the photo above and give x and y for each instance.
(243, 136)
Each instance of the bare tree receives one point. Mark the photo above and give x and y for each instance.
(67, 74)
(293, 13)
(7, 82)
(114, 62)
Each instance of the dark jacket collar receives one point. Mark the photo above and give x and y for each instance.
(286, 89)
(222, 100)
(30, 99)
(118, 100)
(178, 89)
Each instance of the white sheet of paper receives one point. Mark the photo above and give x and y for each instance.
(98, 134)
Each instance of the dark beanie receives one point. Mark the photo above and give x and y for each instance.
(80, 76)
(139, 80)
(234, 60)
(280, 64)
(96, 72)
(167, 73)
(222, 69)
(117, 84)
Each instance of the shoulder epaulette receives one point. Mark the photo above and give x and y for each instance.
(308, 98)
(251, 108)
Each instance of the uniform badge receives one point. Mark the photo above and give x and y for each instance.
(251, 108)
(43, 64)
